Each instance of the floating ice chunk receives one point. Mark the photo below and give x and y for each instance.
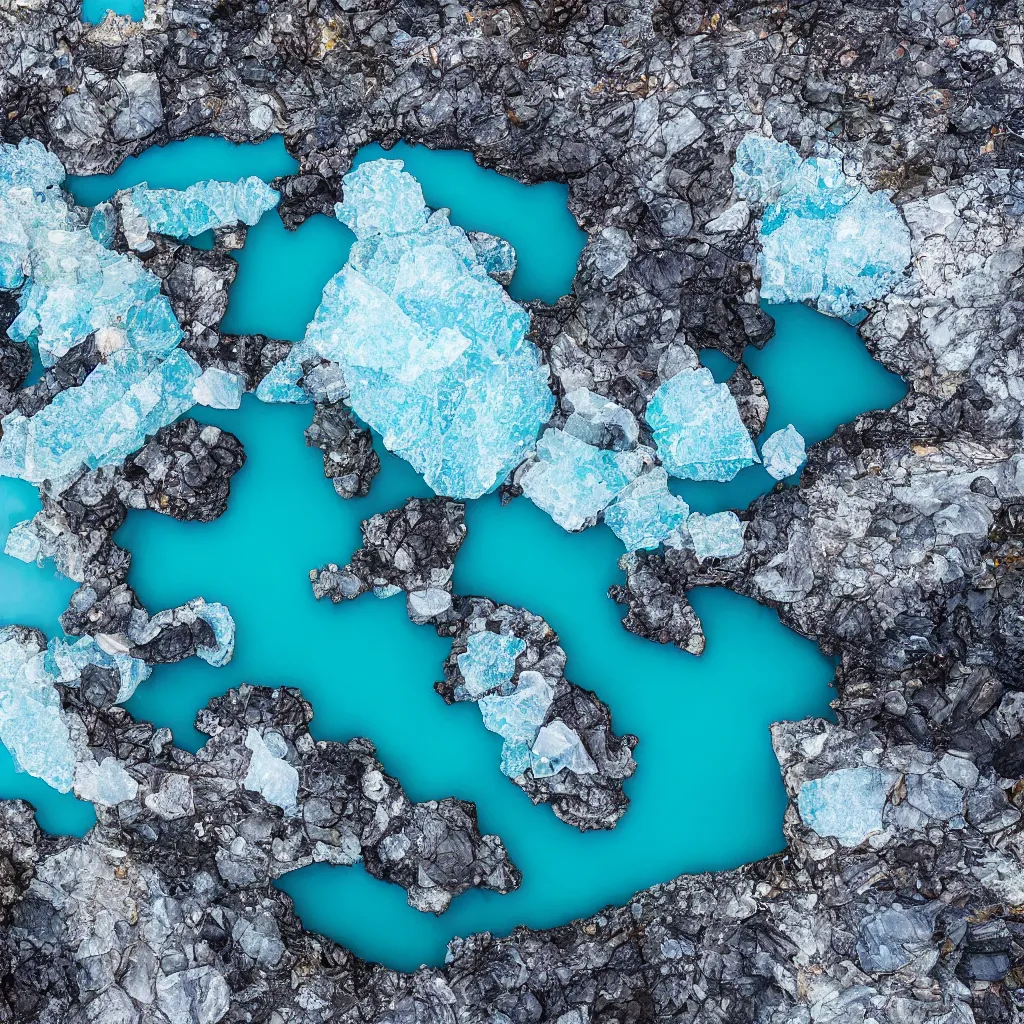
(222, 623)
(32, 726)
(185, 213)
(573, 481)
(101, 423)
(433, 351)
(106, 783)
(557, 746)
(218, 389)
(698, 429)
(825, 239)
(269, 774)
(784, 452)
(23, 543)
(517, 718)
(646, 513)
(719, 535)
(489, 661)
(390, 590)
(600, 422)
(846, 803)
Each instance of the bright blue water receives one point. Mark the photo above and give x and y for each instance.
(707, 793)
(94, 11)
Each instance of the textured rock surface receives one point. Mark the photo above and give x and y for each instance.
(412, 550)
(899, 551)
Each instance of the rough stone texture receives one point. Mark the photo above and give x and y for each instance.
(350, 462)
(347, 808)
(412, 550)
(899, 550)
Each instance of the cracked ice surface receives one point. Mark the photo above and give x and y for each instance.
(518, 718)
(698, 429)
(846, 803)
(579, 470)
(784, 452)
(32, 726)
(73, 288)
(185, 213)
(719, 535)
(573, 481)
(433, 351)
(269, 773)
(646, 513)
(489, 661)
(825, 239)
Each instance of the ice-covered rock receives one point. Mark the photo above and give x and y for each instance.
(557, 746)
(433, 351)
(846, 803)
(698, 429)
(269, 773)
(185, 213)
(646, 513)
(517, 718)
(825, 239)
(719, 535)
(218, 389)
(106, 783)
(783, 452)
(600, 422)
(489, 661)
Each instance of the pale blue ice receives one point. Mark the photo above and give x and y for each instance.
(185, 213)
(846, 804)
(573, 481)
(698, 429)
(489, 662)
(647, 514)
(517, 718)
(783, 452)
(433, 352)
(719, 535)
(825, 239)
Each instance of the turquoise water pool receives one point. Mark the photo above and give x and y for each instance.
(707, 793)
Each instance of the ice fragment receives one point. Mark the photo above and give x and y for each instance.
(784, 452)
(719, 535)
(846, 803)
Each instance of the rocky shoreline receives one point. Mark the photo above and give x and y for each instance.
(899, 897)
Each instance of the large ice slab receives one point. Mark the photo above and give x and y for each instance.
(825, 239)
(121, 402)
(433, 351)
(185, 213)
(698, 429)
